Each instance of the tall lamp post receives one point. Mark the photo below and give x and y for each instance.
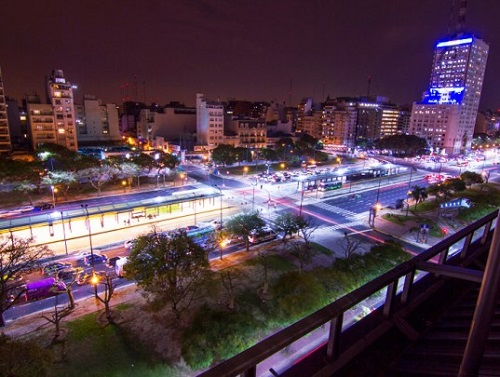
(408, 193)
(85, 208)
(220, 191)
(54, 190)
(301, 200)
(253, 194)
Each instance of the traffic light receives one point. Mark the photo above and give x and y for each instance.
(445, 231)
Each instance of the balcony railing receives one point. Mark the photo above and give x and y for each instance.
(459, 249)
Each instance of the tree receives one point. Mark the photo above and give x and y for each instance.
(269, 154)
(302, 249)
(470, 178)
(224, 154)
(98, 176)
(169, 266)
(230, 279)
(166, 160)
(243, 224)
(59, 314)
(61, 179)
(350, 245)
(26, 188)
(217, 241)
(289, 223)
(18, 256)
(145, 161)
(403, 144)
(109, 289)
(419, 194)
(129, 170)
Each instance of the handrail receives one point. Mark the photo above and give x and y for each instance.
(246, 361)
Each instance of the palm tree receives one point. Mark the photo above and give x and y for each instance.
(419, 194)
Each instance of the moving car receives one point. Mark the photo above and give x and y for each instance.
(111, 262)
(93, 259)
(43, 206)
(44, 288)
(54, 267)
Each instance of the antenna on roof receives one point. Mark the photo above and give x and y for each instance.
(450, 22)
(461, 17)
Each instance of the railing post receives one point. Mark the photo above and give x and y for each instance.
(250, 372)
(486, 231)
(332, 349)
(443, 255)
(408, 284)
(389, 298)
(465, 248)
(485, 310)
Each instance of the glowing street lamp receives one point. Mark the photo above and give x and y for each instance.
(85, 208)
(124, 185)
(54, 190)
(220, 191)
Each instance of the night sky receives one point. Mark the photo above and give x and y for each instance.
(242, 49)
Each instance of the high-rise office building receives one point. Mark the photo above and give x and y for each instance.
(5, 145)
(446, 116)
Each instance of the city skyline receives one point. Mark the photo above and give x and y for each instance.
(282, 51)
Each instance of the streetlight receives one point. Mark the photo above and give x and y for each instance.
(301, 200)
(85, 208)
(253, 195)
(54, 190)
(409, 191)
(408, 202)
(220, 191)
(124, 184)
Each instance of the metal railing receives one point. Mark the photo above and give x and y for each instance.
(472, 240)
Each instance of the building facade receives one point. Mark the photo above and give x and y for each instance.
(209, 122)
(97, 123)
(60, 97)
(447, 114)
(5, 144)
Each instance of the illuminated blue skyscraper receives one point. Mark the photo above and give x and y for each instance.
(446, 116)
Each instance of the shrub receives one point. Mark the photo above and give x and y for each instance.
(296, 295)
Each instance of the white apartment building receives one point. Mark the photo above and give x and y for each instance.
(60, 96)
(5, 145)
(173, 123)
(339, 126)
(453, 95)
(42, 126)
(97, 122)
(209, 122)
(252, 133)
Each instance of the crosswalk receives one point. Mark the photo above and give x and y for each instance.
(335, 209)
(356, 218)
(347, 225)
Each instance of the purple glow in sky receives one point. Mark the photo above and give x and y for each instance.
(257, 50)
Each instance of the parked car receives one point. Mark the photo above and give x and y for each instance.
(262, 235)
(43, 206)
(93, 259)
(53, 267)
